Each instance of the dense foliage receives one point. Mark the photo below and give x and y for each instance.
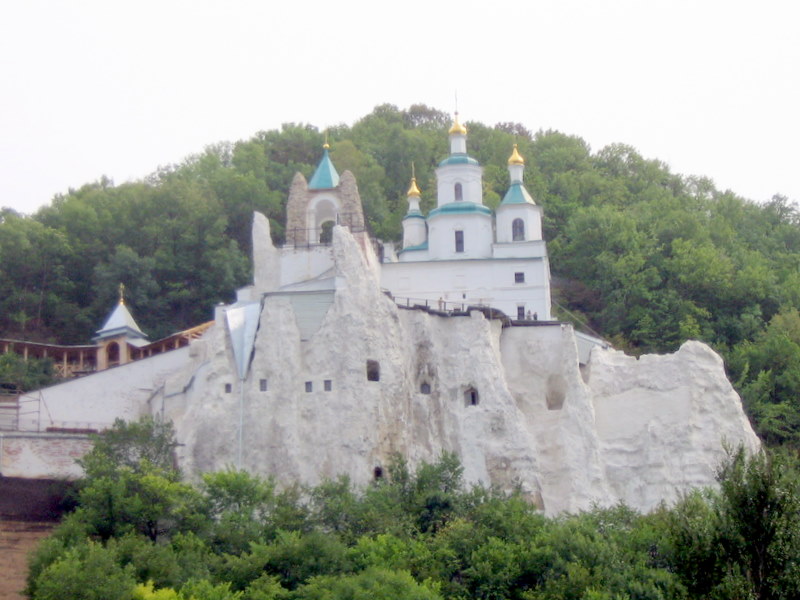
(140, 533)
(646, 257)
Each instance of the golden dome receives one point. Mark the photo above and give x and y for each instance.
(516, 157)
(457, 128)
(413, 190)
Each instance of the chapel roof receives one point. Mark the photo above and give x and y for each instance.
(325, 177)
(517, 194)
(120, 322)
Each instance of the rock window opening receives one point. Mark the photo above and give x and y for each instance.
(377, 473)
(425, 388)
(459, 241)
(471, 397)
(326, 232)
(519, 277)
(262, 385)
(228, 388)
(459, 192)
(521, 313)
(518, 230)
(328, 385)
(309, 386)
(373, 370)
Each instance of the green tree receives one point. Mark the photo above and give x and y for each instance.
(367, 585)
(89, 572)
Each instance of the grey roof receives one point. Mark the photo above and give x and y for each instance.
(120, 322)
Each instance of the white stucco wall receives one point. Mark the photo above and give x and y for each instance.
(530, 215)
(96, 400)
(479, 282)
(478, 236)
(470, 178)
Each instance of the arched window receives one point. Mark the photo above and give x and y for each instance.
(112, 353)
(459, 193)
(326, 232)
(518, 230)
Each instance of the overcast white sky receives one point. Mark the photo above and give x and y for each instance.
(117, 88)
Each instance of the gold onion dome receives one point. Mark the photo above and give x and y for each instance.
(516, 157)
(413, 190)
(458, 128)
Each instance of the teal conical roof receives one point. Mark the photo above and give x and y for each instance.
(517, 194)
(326, 176)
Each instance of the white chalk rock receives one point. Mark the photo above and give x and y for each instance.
(511, 402)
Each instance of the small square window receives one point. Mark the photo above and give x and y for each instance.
(425, 388)
(309, 386)
(328, 385)
(519, 277)
(262, 385)
(228, 388)
(373, 370)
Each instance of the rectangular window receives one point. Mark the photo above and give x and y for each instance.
(459, 241)
(519, 277)
(309, 386)
(521, 313)
(262, 385)
(228, 388)
(328, 385)
(373, 370)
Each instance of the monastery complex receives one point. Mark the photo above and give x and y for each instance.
(345, 351)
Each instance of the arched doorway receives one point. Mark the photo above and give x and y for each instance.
(326, 232)
(112, 354)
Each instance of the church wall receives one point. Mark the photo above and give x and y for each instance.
(477, 282)
(478, 236)
(471, 185)
(531, 216)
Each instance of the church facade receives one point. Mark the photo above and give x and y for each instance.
(461, 254)
(458, 255)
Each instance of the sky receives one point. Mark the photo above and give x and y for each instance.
(117, 88)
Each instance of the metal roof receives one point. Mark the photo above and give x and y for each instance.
(517, 194)
(119, 322)
(460, 207)
(325, 177)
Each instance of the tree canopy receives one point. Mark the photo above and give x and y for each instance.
(139, 533)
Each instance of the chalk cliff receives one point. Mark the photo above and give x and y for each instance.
(512, 402)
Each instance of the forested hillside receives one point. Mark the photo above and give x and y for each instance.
(647, 257)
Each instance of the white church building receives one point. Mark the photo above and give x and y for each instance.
(462, 254)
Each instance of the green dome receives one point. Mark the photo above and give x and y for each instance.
(454, 208)
(458, 159)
